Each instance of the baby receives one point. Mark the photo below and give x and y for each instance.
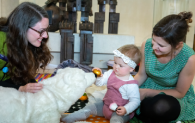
(122, 96)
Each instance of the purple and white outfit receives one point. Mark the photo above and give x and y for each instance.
(123, 93)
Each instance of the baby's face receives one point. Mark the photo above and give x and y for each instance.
(121, 68)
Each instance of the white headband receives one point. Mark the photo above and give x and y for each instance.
(126, 59)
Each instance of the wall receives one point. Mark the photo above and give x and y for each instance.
(181, 5)
(136, 17)
(0, 7)
(7, 6)
(191, 33)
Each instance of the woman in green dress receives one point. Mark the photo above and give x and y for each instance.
(166, 72)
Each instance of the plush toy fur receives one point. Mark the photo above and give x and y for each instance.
(82, 122)
(46, 106)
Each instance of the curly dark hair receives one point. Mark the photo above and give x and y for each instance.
(24, 58)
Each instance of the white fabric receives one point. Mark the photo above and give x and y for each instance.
(113, 106)
(128, 91)
(126, 59)
(46, 106)
(96, 96)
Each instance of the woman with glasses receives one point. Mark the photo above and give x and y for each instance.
(23, 47)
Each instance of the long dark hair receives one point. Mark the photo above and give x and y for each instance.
(24, 59)
(173, 28)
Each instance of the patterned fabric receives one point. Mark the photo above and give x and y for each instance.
(39, 77)
(96, 119)
(3, 51)
(165, 76)
(126, 59)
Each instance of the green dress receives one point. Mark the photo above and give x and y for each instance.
(165, 76)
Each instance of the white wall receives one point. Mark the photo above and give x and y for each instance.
(7, 6)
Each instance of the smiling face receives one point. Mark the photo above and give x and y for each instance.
(33, 36)
(160, 46)
(120, 68)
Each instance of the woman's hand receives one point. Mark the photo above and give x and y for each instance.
(143, 93)
(148, 93)
(121, 111)
(31, 87)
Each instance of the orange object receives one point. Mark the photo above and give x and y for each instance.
(97, 72)
(95, 119)
(83, 98)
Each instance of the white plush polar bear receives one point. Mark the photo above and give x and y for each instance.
(46, 106)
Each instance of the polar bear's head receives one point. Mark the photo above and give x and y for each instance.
(72, 76)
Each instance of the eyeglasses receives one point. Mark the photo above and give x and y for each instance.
(40, 32)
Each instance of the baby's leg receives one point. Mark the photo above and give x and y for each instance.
(83, 114)
(119, 119)
(99, 105)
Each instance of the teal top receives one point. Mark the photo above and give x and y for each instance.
(3, 51)
(165, 76)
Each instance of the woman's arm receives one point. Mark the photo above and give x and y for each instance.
(130, 92)
(9, 83)
(141, 76)
(32, 87)
(185, 79)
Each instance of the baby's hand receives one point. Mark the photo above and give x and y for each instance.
(97, 71)
(121, 110)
